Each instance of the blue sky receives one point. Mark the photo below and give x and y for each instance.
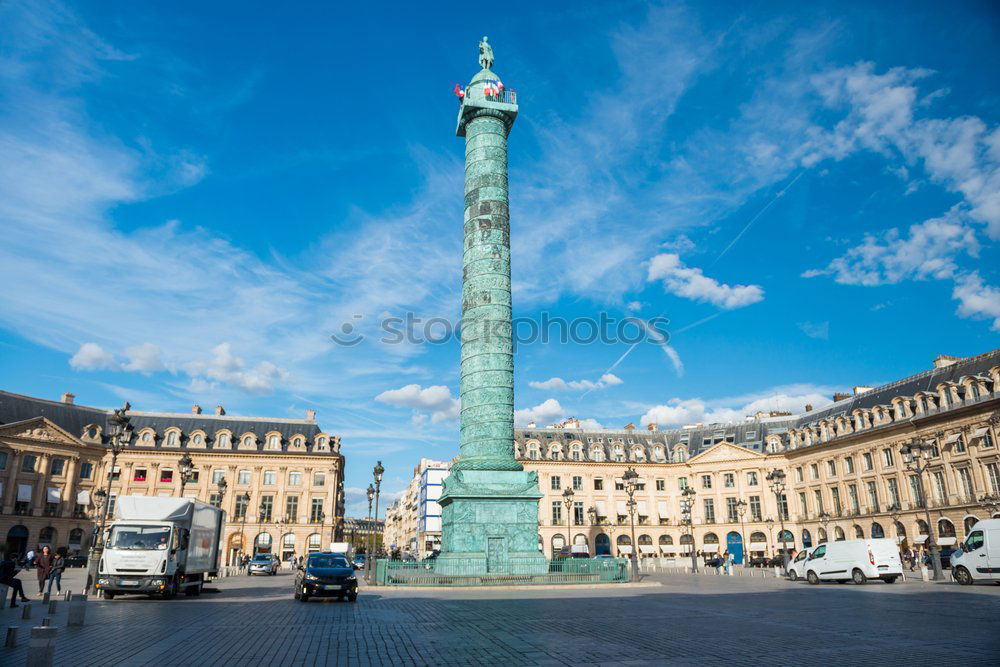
(195, 196)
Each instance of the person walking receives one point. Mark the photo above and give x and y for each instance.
(8, 577)
(29, 559)
(44, 563)
(56, 572)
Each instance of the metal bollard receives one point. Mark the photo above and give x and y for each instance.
(11, 640)
(53, 605)
(77, 611)
(26, 611)
(68, 595)
(46, 622)
(42, 648)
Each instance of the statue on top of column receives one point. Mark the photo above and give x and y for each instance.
(485, 53)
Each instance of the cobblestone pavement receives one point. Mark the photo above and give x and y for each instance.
(675, 619)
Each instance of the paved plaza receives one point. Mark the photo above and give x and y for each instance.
(671, 619)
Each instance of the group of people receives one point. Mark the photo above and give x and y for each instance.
(49, 568)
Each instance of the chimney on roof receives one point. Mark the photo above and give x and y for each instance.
(219, 410)
(839, 396)
(652, 426)
(310, 415)
(67, 398)
(196, 409)
(630, 426)
(809, 407)
(943, 361)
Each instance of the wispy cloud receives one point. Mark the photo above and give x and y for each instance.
(691, 283)
(558, 384)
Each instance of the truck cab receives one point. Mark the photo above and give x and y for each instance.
(979, 557)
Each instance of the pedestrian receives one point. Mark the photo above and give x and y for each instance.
(55, 574)
(29, 559)
(8, 577)
(911, 558)
(44, 563)
(725, 561)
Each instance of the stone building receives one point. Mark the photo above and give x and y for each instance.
(413, 521)
(284, 477)
(845, 476)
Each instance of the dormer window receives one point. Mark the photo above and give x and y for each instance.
(248, 441)
(172, 439)
(274, 442)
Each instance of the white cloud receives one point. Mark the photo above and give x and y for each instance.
(819, 330)
(977, 300)
(436, 400)
(675, 359)
(634, 306)
(793, 398)
(144, 358)
(558, 384)
(225, 366)
(691, 283)
(92, 357)
(544, 413)
(590, 424)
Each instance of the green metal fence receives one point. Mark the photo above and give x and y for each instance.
(470, 572)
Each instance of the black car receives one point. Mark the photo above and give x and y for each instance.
(76, 561)
(326, 575)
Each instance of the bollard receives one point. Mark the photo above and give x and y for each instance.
(924, 574)
(4, 589)
(68, 595)
(46, 622)
(77, 611)
(42, 648)
(11, 640)
(45, 598)
(53, 605)
(26, 611)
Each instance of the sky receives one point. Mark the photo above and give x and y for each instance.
(260, 206)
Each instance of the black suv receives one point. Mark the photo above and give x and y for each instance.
(326, 574)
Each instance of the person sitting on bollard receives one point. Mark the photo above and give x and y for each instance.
(44, 563)
(56, 572)
(8, 577)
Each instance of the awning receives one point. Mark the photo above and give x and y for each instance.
(621, 507)
(54, 495)
(661, 509)
(920, 538)
(667, 548)
(647, 548)
(758, 546)
(980, 432)
(24, 493)
(947, 541)
(710, 547)
(951, 438)
(643, 510)
(602, 509)
(624, 548)
(619, 480)
(83, 498)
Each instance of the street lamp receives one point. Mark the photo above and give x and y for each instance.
(368, 553)
(770, 531)
(568, 502)
(246, 505)
(741, 510)
(186, 467)
(223, 485)
(824, 518)
(119, 435)
(916, 454)
(630, 477)
(687, 520)
(894, 513)
(777, 479)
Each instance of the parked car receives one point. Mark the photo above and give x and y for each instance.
(263, 564)
(797, 566)
(359, 562)
(76, 561)
(760, 561)
(326, 575)
(945, 554)
(979, 557)
(854, 560)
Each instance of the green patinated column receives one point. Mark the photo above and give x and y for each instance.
(489, 503)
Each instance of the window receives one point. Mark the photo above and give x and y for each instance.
(166, 476)
(577, 483)
(814, 470)
(139, 475)
(709, 510)
(556, 512)
(218, 476)
(598, 484)
(729, 480)
(755, 514)
(292, 508)
(818, 497)
(661, 485)
(319, 479)
(295, 479)
(752, 478)
(58, 467)
(783, 506)
(872, 497)
(619, 485)
(867, 460)
(28, 463)
(731, 512)
(960, 445)
(750, 435)
(274, 442)
(852, 494)
(894, 492)
(940, 487)
(682, 483)
(241, 507)
(3, 460)
(706, 481)
(266, 507)
(578, 513)
(987, 441)
(935, 452)
(887, 458)
(835, 495)
(222, 441)
(556, 483)
(270, 477)
(993, 472)
(965, 477)
(316, 510)
(975, 540)
(215, 500)
(86, 470)
(802, 503)
(798, 474)
(243, 477)
(915, 490)
(831, 468)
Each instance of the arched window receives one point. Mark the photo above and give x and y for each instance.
(786, 538)
(222, 441)
(315, 543)
(877, 531)
(969, 522)
(580, 540)
(638, 453)
(686, 539)
(711, 538)
(666, 540)
(807, 539)
(758, 537)
(946, 528)
(576, 451)
(602, 544)
(172, 439)
(274, 442)
(596, 453)
(658, 454)
(838, 534)
(197, 439)
(248, 441)
(75, 538)
(147, 437)
(558, 542)
(619, 453)
(287, 546)
(47, 536)
(534, 450)
(858, 531)
(555, 452)
(262, 544)
(624, 539)
(822, 536)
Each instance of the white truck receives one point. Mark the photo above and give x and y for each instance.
(160, 546)
(979, 558)
(344, 548)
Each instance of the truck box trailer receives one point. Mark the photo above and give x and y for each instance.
(160, 546)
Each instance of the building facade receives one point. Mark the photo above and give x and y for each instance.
(845, 476)
(413, 521)
(283, 477)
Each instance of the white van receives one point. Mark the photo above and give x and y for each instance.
(797, 566)
(854, 560)
(979, 559)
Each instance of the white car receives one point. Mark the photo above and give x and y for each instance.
(263, 564)
(979, 558)
(854, 560)
(797, 566)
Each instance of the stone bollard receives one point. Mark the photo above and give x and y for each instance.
(53, 605)
(26, 611)
(924, 574)
(46, 622)
(42, 648)
(11, 640)
(77, 611)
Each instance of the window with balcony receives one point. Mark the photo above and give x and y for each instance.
(556, 512)
(732, 515)
(852, 495)
(818, 501)
(993, 474)
(241, 507)
(316, 510)
(940, 487)
(166, 476)
(965, 478)
(835, 497)
(802, 503)
(578, 513)
(292, 508)
(755, 513)
(893, 486)
(872, 497)
(783, 505)
(266, 507)
(139, 475)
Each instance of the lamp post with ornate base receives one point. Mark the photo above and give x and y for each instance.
(186, 468)
(916, 454)
(119, 435)
(245, 505)
(777, 479)
(630, 477)
(824, 519)
(568, 502)
(741, 510)
(687, 520)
